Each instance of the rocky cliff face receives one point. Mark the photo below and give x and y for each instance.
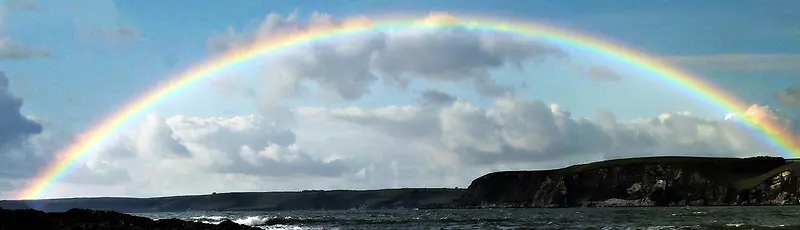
(665, 181)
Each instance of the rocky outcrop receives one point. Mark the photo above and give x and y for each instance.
(656, 181)
(85, 219)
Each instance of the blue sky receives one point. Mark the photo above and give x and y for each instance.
(86, 78)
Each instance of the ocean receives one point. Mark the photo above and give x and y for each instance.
(766, 217)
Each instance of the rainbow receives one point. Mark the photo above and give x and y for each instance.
(780, 139)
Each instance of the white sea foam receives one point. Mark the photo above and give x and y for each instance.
(252, 220)
(209, 217)
(284, 227)
(261, 222)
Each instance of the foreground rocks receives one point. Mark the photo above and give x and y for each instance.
(85, 219)
(656, 181)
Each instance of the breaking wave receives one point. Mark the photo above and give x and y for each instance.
(733, 218)
(287, 222)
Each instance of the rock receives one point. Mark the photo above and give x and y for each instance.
(86, 219)
(653, 181)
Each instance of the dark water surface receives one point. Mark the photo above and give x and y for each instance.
(786, 217)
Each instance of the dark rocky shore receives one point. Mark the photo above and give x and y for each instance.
(653, 181)
(85, 219)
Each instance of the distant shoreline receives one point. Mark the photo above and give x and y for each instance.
(630, 182)
(234, 192)
(394, 198)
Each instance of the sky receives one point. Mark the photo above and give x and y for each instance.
(406, 108)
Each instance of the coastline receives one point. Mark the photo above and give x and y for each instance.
(630, 182)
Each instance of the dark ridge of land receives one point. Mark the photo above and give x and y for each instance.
(407, 198)
(100, 220)
(648, 181)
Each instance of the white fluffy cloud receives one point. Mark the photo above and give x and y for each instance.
(516, 130)
(237, 145)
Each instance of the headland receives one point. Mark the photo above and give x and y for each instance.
(639, 182)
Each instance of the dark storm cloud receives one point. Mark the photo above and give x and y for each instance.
(15, 126)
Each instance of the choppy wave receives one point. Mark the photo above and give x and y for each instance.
(259, 220)
(263, 222)
(278, 222)
(738, 218)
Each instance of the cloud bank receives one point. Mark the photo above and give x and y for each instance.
(391, 146)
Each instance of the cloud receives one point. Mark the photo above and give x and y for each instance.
(16, 127)
(22, 4)
(11, 50)
(436, 97)
(742, 62)
(454, 55)
(113, 35)
(516, 130)
(98, 173)
(239, 145)
(26, 145)
(99, 21)
(346, 70)
(391, 146)
(28, 156)
(602, 73)
(156, 136)
(789, 97)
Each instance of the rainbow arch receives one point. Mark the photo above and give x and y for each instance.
(782, 140)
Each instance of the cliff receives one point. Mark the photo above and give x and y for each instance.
(90, 220)
(652, 181)
(255, 201)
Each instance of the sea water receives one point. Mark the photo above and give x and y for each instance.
(774, 217)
